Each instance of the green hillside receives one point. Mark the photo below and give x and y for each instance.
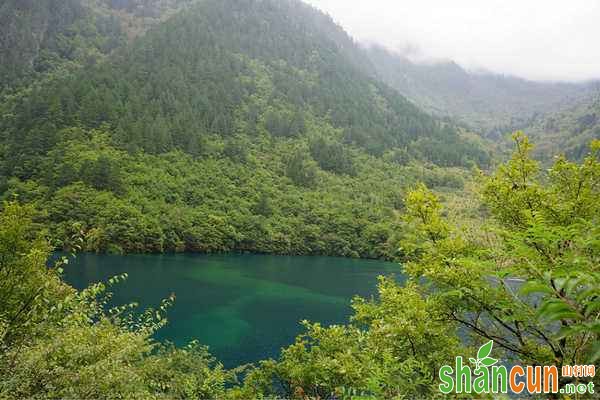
(182, 138)
(569, 131)
(39, 37)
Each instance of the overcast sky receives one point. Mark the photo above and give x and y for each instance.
(534, 39)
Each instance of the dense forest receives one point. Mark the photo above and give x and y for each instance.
(236, 125)
(56, 342)
(152, 126)
(568, 131)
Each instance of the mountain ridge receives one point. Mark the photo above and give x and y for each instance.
(326, 83)
(490, 103)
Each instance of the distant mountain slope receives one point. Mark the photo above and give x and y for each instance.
(491, 104)
(568, 132)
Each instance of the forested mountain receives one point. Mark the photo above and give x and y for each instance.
(246, 124)
(568, 131)
(227, 68)
(40, 37)
(489, 103)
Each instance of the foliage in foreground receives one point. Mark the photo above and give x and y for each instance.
(528, 278)
(56, 342)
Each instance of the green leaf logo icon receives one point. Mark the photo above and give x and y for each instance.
(489, 361)
(485, 350)
(483, 358)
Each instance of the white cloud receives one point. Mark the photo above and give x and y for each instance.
(535, 39)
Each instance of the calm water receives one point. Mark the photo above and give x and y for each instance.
(244, 307)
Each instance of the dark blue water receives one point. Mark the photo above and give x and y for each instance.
(244, 307)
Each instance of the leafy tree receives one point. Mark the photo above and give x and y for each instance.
(264, 205)
(285, 123)
(237, 149)
(26, 284)
(102, 174)
(390, 350)
(301, 168)
(399, 156)
(56, 342)
(332, 156)
(530, 280)
(527, 279)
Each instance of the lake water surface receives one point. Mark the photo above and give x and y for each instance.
(244, 307)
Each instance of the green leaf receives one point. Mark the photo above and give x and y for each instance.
(559, 283)
(555, 310)
(489, 361)
(567, 331)
(535, 287)
(485, 350)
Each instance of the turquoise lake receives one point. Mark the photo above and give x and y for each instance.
(244, 307)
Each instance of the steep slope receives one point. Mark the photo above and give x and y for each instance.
(491, 104)
(235, 125)
(39, 37)
(230, 67)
